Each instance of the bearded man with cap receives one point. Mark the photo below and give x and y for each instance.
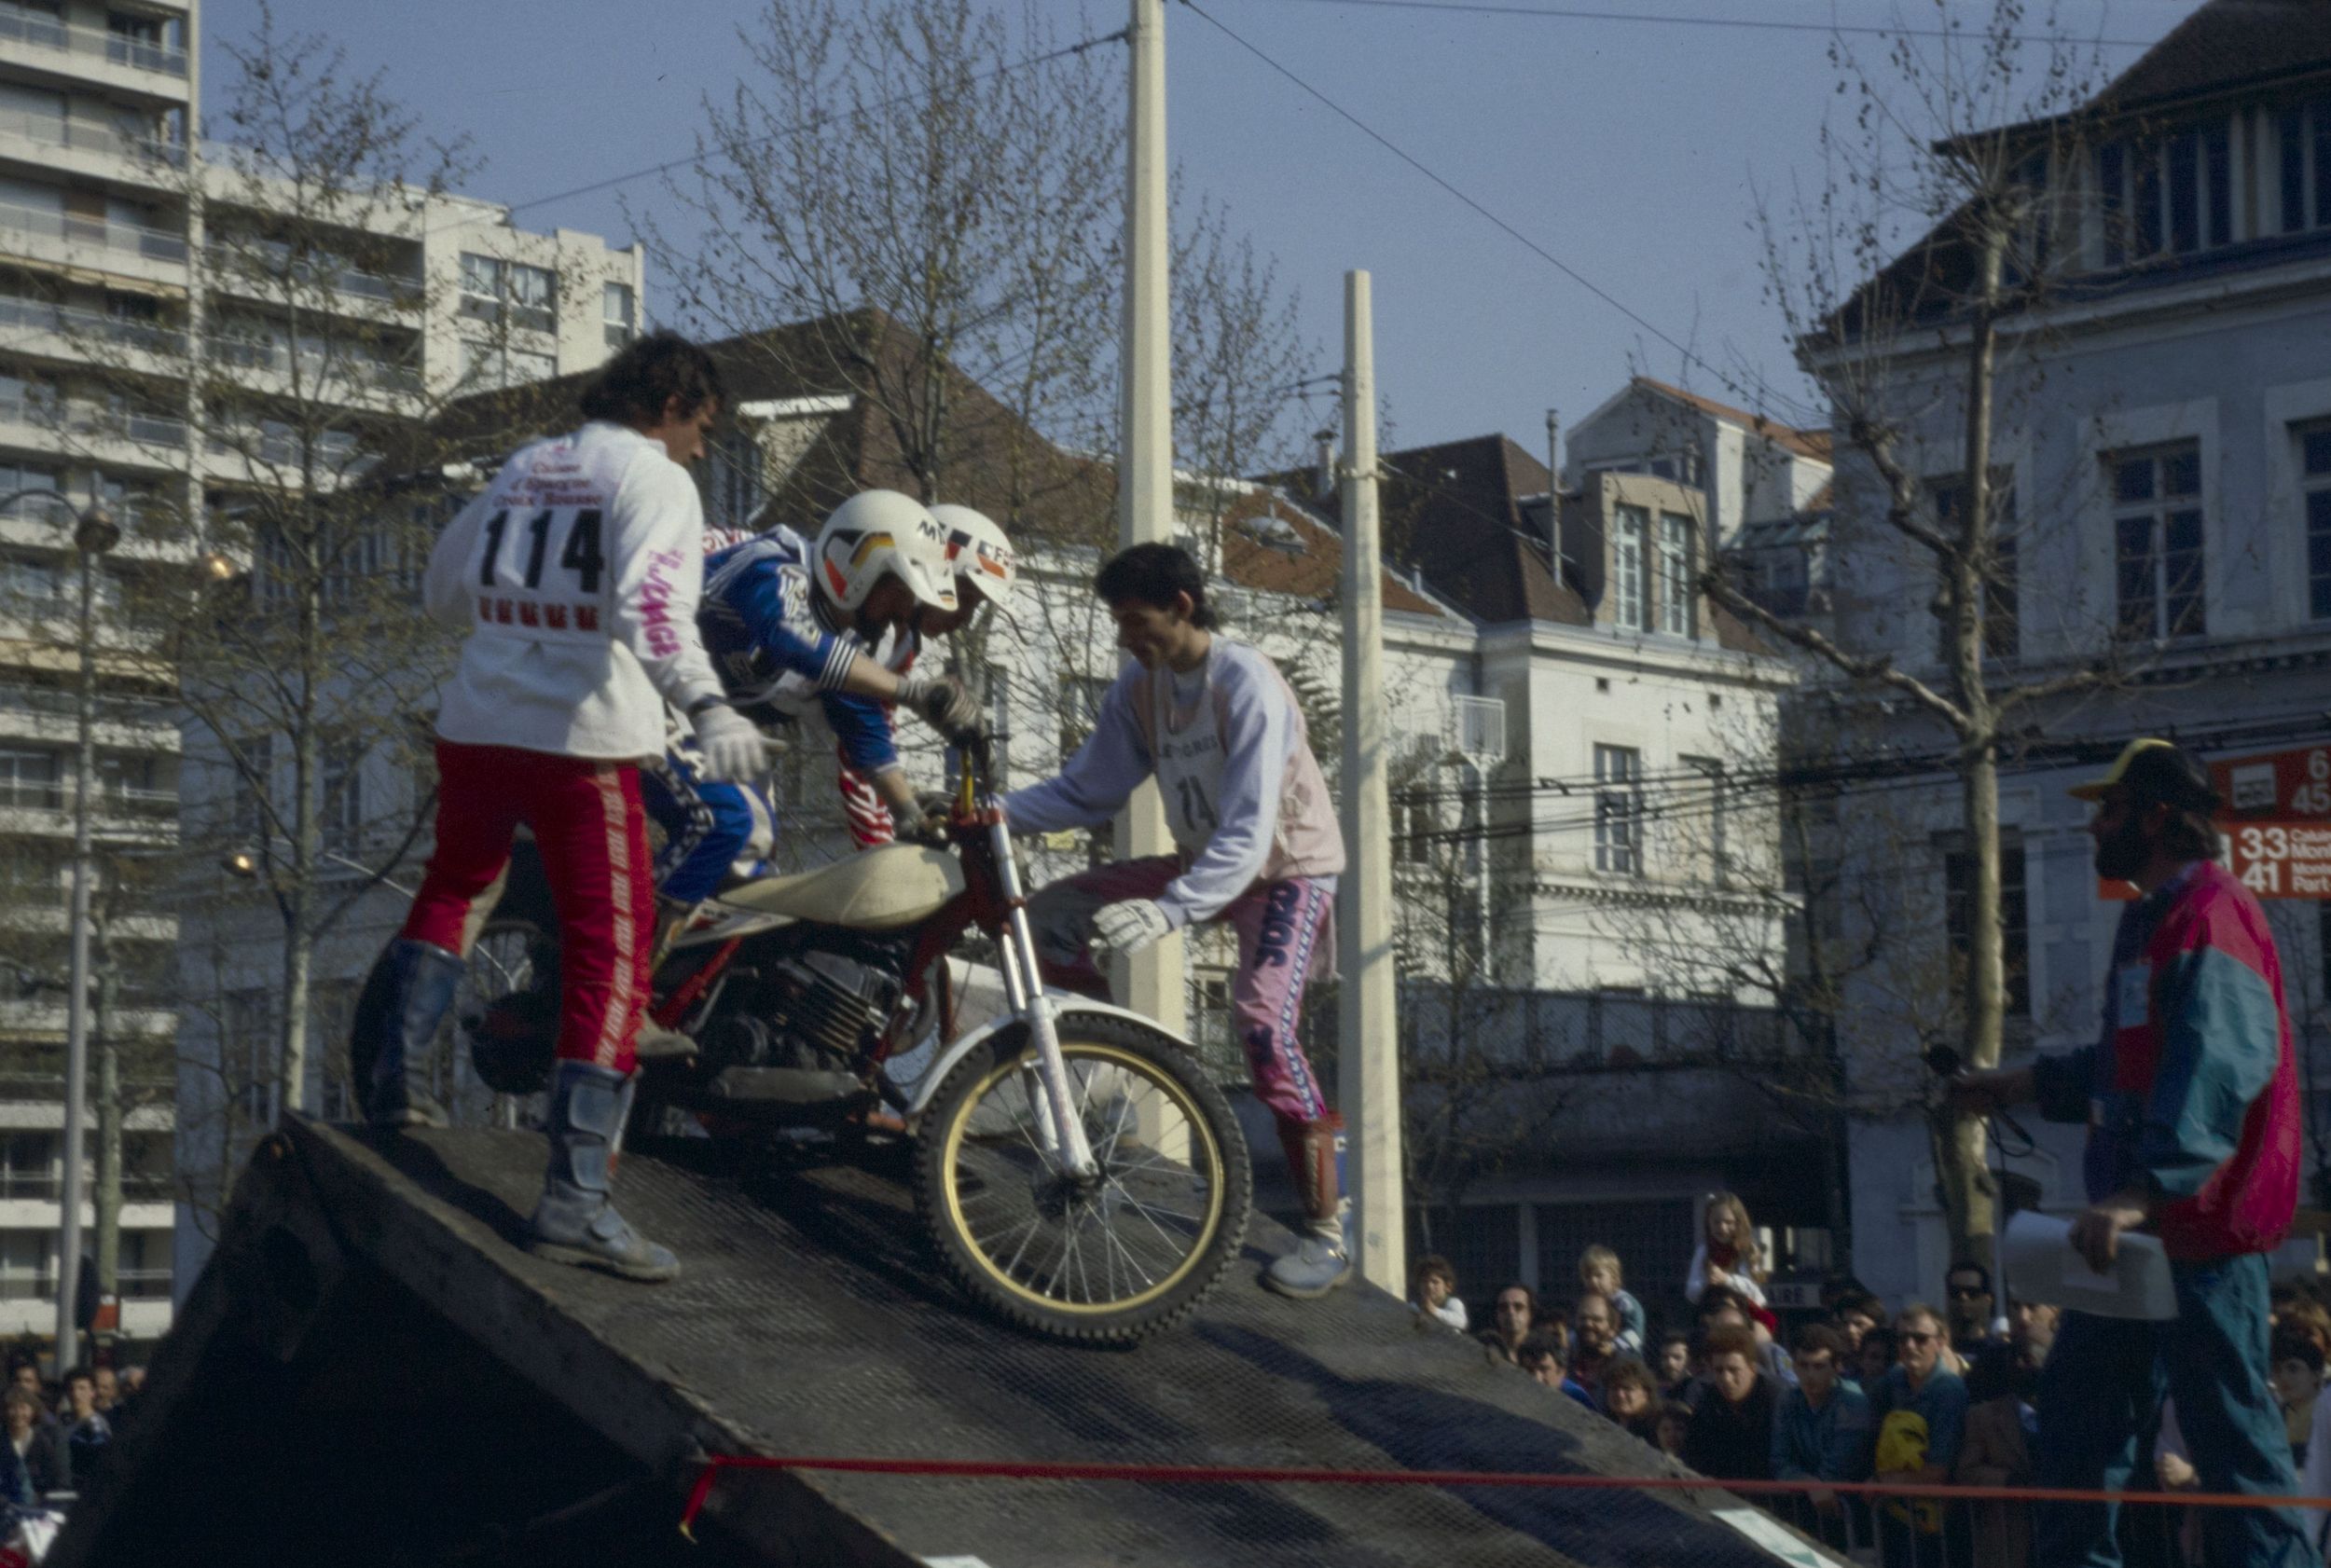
(2191, 1100)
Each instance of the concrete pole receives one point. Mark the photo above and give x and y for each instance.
(1152, 981)
(1369, 1073)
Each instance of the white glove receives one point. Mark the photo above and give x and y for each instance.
(943, 703)
(1123, 929)
(732, 746)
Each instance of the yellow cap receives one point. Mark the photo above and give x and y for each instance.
(2153, 769)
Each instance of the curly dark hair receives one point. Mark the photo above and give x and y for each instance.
(1153, 575)
(640, 383)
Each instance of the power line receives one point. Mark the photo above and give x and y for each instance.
(1484, 7)
(1538, 250)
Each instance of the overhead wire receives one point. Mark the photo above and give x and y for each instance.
(1766, 24)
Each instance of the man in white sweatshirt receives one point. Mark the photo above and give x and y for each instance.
(1257, 845)
(577, 573)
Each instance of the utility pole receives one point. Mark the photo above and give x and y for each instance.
(1368, 1034)
(1151, 982)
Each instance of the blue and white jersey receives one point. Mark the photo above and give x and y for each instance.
(766, 628)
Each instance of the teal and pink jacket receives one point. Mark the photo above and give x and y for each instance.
(2191, 1092)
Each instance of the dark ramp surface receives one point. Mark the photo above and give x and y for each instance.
(371, 1371)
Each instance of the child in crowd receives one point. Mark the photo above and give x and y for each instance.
(1675, 1425)
(1599, 1271)
(1727, 1253)
(1432, 1292)
(2297, 1377)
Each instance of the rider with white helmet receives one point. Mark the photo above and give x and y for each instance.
(793, 629)
(984, 568)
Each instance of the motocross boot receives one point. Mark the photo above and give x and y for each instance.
(654, 1040)
(1320, 1260)
(404, 1001)
(576, 1222)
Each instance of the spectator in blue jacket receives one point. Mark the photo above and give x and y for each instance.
(1822, 1431)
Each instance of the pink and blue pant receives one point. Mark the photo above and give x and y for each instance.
(1286, 933)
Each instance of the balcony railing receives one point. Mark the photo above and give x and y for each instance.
(267, 262)
(16, 698)
(116, 48)
(56, 131)
(85, 419)
(71, 321)
(154, 245)
(347, 368)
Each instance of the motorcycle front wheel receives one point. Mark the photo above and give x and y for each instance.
(1108, 1258)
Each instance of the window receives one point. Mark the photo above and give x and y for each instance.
(1619, 810)
(2314, 468)
(533, 298)
(29, 1166)
(2300, 193)
(342, 814)
(483, 280)
(2015, 930)
(1719, 850)
(2174, 196)
(255, 788)
(1626, 570)
(2002, 626)
(33, 873)
(492, 367)
(2158, 539)
(1674, 589)
(490, 285)
(1413, 821)
(247, 1053)
(128, 783)
(331, 1012)
(618, 313)
(30, 779)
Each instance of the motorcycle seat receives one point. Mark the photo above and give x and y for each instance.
(883, 889)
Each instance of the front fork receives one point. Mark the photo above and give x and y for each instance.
(1063, 1139)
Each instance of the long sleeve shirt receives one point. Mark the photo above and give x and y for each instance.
(778, 645)
(577, 573)
(1244, 796)
(2191, 1092)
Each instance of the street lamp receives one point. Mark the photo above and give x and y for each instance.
(94, 532)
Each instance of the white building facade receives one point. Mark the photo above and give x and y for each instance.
(103, 267)
(2165, 447)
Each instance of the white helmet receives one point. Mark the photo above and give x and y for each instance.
(979, 551)
(877, 533)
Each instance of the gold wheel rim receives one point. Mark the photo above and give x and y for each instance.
(1203, 1143)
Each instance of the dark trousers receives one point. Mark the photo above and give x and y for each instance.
(2101, 1392)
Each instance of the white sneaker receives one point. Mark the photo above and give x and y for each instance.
(1317, 1265)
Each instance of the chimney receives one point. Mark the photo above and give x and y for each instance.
(1323, 474)
(1553, 449)
(1554, 488)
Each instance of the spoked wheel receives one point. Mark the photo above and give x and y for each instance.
(506, 1014)
(1111, 1258)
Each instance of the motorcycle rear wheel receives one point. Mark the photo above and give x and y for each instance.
(1110, 1261)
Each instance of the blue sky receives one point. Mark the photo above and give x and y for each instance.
(1628, 149)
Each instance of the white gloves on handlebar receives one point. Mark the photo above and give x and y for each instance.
(733, 749)
(943, 703)
(1123, 929)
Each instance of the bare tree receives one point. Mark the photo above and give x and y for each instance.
(1964, 146)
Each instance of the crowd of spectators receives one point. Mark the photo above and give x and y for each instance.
(58, 1436)
(1922, 1396)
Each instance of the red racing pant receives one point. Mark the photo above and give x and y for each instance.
(588, 825)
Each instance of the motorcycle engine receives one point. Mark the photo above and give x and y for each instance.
(819, 1009)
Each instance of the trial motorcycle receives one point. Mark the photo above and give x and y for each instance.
(1075, 1168)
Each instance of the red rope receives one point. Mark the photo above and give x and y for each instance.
(1227, 1475)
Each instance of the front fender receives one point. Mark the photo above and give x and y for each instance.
(1064, 1009)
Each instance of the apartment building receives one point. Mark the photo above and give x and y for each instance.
(118, 292)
